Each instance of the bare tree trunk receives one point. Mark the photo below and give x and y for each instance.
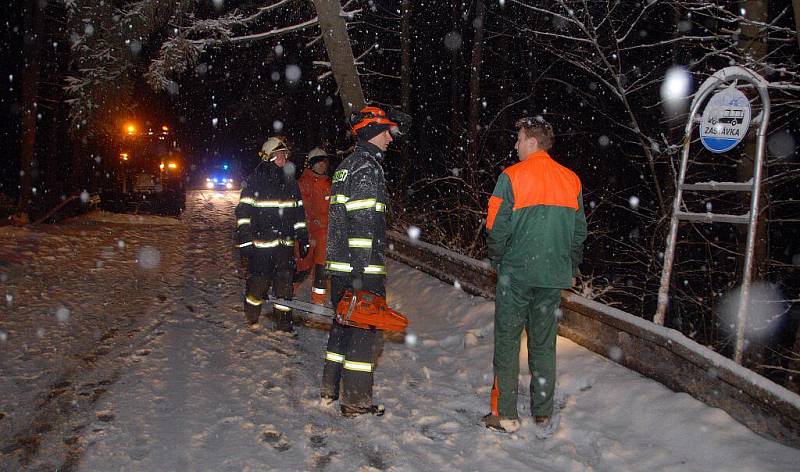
(30, 88)
(796, 8)
(456, 53)
(340, 53)
(475, 85)
(79, 165)
(405, 84)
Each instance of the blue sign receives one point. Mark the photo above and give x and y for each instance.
(725, 121)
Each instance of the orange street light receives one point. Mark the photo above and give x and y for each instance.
(172, 165)
(161, 166)
(130, 128)
(165, 128)
(124, 156)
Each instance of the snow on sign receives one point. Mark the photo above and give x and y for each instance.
(725, 120)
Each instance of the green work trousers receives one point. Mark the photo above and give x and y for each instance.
(535, 310)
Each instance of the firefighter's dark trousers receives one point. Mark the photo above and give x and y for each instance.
(351, 353)
(269, 268)
(319, 286)
(533, 309)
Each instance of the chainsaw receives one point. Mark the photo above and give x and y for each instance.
(362, 309)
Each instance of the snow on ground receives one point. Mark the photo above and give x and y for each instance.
(152, 370)
(124, 218)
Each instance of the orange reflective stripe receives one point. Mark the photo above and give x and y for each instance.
(494, 207)
(379, 121)
(539, 180)
(495, 396)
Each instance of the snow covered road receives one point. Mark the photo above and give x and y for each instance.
(122, 347)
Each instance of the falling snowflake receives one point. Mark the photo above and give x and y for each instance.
(149, 257)
(782, 145)
(676, 88)
(277, 125)
(62, 314)
(615, 353)
(293, 73)
(414, 233)
(634, 202)
(452, 41)
(411, 339)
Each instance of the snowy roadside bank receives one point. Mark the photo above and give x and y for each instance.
(660, 353)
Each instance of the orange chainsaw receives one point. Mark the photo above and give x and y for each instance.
(362, 309)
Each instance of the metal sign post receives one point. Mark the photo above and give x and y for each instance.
(724, 124)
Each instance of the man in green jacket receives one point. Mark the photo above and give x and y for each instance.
(536, 229)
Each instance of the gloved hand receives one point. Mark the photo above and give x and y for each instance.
(247, 251)
(303, 249)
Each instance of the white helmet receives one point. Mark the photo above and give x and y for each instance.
(315, 155)
(273, 145)
(316, 152)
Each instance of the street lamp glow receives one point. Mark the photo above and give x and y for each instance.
(130, 128)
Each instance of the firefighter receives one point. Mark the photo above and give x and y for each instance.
(355, 258)
(270, 219)
(315, 187)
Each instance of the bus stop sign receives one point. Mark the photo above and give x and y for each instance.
(725, 121)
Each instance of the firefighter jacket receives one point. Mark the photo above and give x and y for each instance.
(316, 191)
(536, 224)
(357, 221)
(270, 211)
